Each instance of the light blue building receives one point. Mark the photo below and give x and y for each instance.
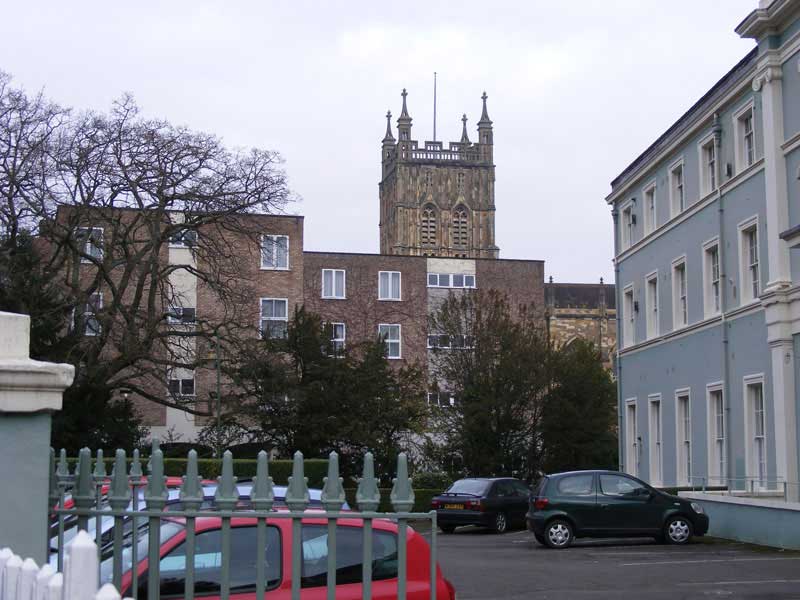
(707, 245)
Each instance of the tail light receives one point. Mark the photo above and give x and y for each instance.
(474, 505)
(540, 503)
(435, 504)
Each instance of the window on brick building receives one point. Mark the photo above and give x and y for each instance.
(88, 316)
(338, 337)
(274, 318)
(391, 335)
(181, 315)
(275, 252)
(389, 285)
(181, 385)
(90, 240)
(183, 238)
(333, 283)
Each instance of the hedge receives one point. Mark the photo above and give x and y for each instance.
(280, 470)
(209, 468)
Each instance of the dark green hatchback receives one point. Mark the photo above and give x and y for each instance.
(577, 504)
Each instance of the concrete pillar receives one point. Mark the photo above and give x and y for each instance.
(768, 82)
(778, 318)
(30, 391)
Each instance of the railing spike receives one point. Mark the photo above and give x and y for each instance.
(120, 494)
(156, 491)
(226, 495)
(368, 496)
(332, 490)
(402, 496)
(136, 466)
(261, 494)
(62, 470)
(191, 493)
(99, 466)
(297, 497)
(84, 488)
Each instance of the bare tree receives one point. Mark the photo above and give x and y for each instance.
(110, 197)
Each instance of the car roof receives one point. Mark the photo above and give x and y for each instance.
(584, 472)
(486, 478)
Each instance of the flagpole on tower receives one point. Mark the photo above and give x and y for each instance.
(434, 106)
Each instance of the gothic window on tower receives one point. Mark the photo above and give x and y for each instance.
(460, 228)
(429, 179)
(428, 227)
(460, 183)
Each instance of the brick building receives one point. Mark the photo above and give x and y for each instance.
(437, 238)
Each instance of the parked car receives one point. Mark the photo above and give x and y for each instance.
(278, 560)
(497, 503)
(597, 504)
(173, 504)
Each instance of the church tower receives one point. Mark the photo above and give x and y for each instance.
(437, 201)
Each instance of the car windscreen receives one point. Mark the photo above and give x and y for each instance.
(472, 487)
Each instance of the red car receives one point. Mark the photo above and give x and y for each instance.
(278, 560)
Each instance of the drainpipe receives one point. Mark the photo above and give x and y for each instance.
(723, 306)
(618, 361)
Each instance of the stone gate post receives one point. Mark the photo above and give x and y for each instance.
(30, 391)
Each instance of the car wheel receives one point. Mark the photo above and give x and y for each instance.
(558, 534)
(447, 528)
(678, 530)
(500, 522)
(540, 538)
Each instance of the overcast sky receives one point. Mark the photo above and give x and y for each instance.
(576, 91)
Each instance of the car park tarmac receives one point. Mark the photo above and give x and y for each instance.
(514, 566)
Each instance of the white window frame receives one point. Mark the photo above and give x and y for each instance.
(332, 295)
(399, 340)
(390, 275)
(712, 296)
(262, 318)
(717, 447)
(175, 315)
(655, 439)
(338, 344)
(85, 314)
(450, 282)
(756, 467)
(650, 201)
(709, 179)
(631, 437)
(627, 227)
(746, 283)
(683, 438)
(677, 192)
(87, 242)
(741, 158)
(272, 237)
(680, 304)
(179, 238)
(180, 380)
(651, 305)
(629, 316)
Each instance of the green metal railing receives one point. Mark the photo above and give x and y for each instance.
(101, 497)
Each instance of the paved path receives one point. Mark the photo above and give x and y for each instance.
(513, 566)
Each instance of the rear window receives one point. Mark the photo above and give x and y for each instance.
(349, 555)
(538, 489)
(576, 485)
(475, 487)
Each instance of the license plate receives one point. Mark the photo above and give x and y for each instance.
(454, 506)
